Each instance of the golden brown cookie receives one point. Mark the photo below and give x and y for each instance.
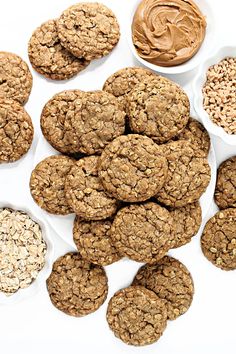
(218, 239)
(16, 131)
(85, 192)
(93, 241)
(143, 232)
(137, 316)
(188, 175)
(75, 286)
(49, 58)
(132, 168)
(171, 281)
(47, 184)
(225, 193)
(158, 108)
(15, 78)
(88, 30)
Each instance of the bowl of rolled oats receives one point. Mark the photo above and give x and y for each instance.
(26, 253)
(215, 94)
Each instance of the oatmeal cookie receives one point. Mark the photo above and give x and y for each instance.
(218, 239)
(93, 240)
(187, 222)
(137, 316)
(171, 281)
(49, 58)
(16, 131)
(143, 232)
(188, 175)
(75, 286)
(47, 184)
(121, 83)
(88, 30)
(85, 193)
(15, 78)
(225, 193)
(132, 168)
(158, 108)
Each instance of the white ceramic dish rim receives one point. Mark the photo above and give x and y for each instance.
(36, 285)
(220, 53)
(207, 45)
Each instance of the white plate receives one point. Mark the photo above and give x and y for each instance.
(63, 225)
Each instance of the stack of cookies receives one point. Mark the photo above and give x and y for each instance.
(59, 49)
(16, 128)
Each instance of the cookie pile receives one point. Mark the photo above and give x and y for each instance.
(16, 128)
(218, 239)
(59, 49)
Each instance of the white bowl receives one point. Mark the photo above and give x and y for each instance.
(206, 8)
(39, 282)
(200, 79)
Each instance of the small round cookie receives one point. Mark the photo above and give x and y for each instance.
(218, 240)
(158, 108)
(15, 78)
(188, 175)
(143, 232)
(49, 58)
(16, 131)
(75, 286)
(88, 30)
(137, 316)
(132, 168)
(225, 193)
(121, 83)
(47, 184)
(187, 222)
(93, 241)
(85, 193)
(170, 280)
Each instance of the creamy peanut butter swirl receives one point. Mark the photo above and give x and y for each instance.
(168, 33)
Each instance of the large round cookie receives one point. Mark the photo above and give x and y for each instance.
(88, 30)
(47, 184)
(137, 316)
(49, 58)
(85, 192)
(171, 281)
(132, 168)
(143, 232)
(188, 175)
(225, 193)
(16, 131)
(158, 108)
(76, 286)
(218, 239)
(15, 78)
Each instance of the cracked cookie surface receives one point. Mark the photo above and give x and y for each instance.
(85, 192)
(88, 30)
(137, 316)
(171, 281)
(218, 240)
(132, 168)
(49, 58)
(143, 232)
(15, 78)
(47, 184)
(158, 108)
(225, 193)
(188, 175)
(93, 240)
(76, 286)
(16, 131)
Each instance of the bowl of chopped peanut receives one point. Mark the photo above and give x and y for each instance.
(215, 94)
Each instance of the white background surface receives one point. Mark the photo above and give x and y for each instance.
(35, 326)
